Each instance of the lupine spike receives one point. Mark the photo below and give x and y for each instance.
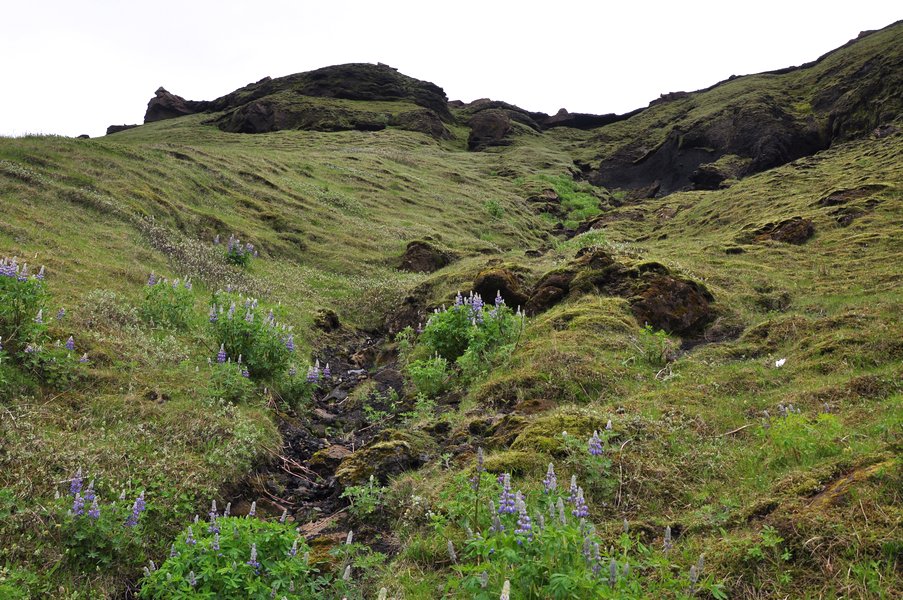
(506, 591)
(253, 510)
(612, 572)
(451, 552)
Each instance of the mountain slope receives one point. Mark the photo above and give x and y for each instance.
(765, 434)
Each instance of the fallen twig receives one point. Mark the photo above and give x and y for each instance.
(738, 429)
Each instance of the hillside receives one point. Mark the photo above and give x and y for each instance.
(705, 293)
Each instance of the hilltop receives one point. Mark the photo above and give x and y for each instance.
(706, 292)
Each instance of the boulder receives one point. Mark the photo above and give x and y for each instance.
(423, 257)
(395, 451)
(789, 231)
(678, 306)
(324, 462)
(488, 128)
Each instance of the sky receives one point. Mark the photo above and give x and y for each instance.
(73, 67)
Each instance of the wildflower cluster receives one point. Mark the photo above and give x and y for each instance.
(470, 334)
(237, 253)
(245, 329)
(233, 556)
(168, 303)
(541, 545)
(25, 327)
(98, 533)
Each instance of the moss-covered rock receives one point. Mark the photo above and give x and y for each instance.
(394, 451)
(545, 433)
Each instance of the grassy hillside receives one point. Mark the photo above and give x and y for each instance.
(786, 478)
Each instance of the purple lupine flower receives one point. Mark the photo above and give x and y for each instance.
(192, 579)
(245, 373)
(326, 372)
(294, 549)
(75, 484)
(1, 343)
(420, 328)
(249, 317)
(506, 499)
(60, 314)
(550, 483)
(580, 508)
(524, 525)
(94, 511)
(40, 274)
(476, 304)
(595, 444)
(29, 349)
(253, 561)
(667, 545)
(215, 544)
(290, 343)
(459, 300)
(172, 551)
(292, 371)
(612, 572)
(231, 312)
(221, 355)
(212, 315)
(284, 515)
(216, 240)
(78, 505)
(39, 318)
(152, 279)
(253, 510)
(313, 374)
(475, 480)
(70, 344)
(608, 426)
(189, 539)
(572, 492)
(137, 508)
(89, 492)
(84, 358)
(498, 298)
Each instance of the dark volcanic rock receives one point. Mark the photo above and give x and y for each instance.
(327, 320)
(423, 257)
(84, 136)
(789, 231)
(165, 105)
(488, 128)
(675, 305)
(501, 281)
(425, 121)
(117, 128)
(583, 120)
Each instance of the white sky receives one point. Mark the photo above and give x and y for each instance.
(72, 67)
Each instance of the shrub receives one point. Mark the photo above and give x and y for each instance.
(98, 534)
(168, 304)
(232, 557)
(472, 334)
(22, 304)
(244, 330)
(494, 208)
(364, 499)
(655, 347)
(237, 253)
(55, 365)
(228, 382)
(429, 376)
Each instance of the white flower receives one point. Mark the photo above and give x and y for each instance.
(779, 363)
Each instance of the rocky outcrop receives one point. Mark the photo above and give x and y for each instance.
(789, 231)
(165, 105)
(117, 128)
(395, 451)
(657, 297)
(488, 128)
(498, 280)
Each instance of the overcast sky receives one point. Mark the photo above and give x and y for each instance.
(75, 66)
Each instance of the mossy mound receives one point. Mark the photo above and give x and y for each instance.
(395, 452)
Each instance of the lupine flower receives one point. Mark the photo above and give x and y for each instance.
(459, 300)
(215, 544)
(497, 526)
(313, 374)
(700, 564)
(84, 358)
(608, 426)
(506, 591)
(192, 579)
(498, 298)
(550, 483)
(667, 545)
(39, 318)
(78, 505)
(506, 499)
(253, 510)
(475, 480)
(612, 572)
(484, 579)
(221, 355)
(451, 552)
(524, 524)
(293, 551)
(94, 511)
(1, 343)
(562, 518)
(137, 508)
(572, 492)
(70, 344)
(75, 485)
(326, 372)
(249, 316)
(40, 274)
(29, 349)
(284, 515)
(349, 538)
(60, 314)
(292, 371)
(172, 550)
(420, 328)
(152, 279)
(212, 315)
(595, 444)
(89, 492)
(245, 373)
(228, 509)
(626, 526)
(346, 576)
(189, 539)
(290, 343)
(580, 508)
